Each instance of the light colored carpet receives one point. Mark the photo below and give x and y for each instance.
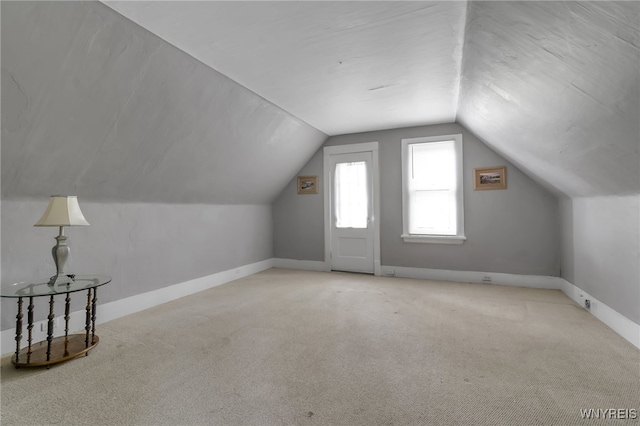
(289, 347)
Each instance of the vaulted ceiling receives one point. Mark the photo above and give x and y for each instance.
(553, 86)
(343, 67)
(240, 94)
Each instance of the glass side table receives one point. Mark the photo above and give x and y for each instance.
(54, 350)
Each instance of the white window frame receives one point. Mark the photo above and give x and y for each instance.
(459, 238)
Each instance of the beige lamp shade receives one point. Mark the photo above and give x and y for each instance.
(63, 210)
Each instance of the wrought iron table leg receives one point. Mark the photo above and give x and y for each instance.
(50, 327)
(93, 315)
(87, 322)
(30, 327)
(18, 328)
(67, 307)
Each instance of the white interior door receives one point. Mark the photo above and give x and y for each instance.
(352, 227)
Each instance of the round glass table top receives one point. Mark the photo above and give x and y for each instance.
(28, 289)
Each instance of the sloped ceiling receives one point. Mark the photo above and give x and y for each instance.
(252, 88)
(95, 106)
(553, 86)
(343, 67)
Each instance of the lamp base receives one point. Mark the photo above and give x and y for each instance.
(61, 279)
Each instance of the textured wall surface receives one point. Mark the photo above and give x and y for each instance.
(567, 264)
(144, 247)
(511, 231)
(555, 87)
(96, 106)
(298, 219)
(603, 250)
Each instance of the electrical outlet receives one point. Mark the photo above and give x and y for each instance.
(587, 303)
(486, 279)
(390, 271)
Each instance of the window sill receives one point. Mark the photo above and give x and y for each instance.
(434, 239)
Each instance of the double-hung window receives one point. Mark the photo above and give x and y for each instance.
(432, 193)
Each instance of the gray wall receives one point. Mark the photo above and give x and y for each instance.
(298, 219)
(567, 265)
(144, 247)
(175, 165)
(511, 231)
(601, 247)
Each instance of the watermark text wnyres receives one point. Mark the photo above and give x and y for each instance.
(609, 413)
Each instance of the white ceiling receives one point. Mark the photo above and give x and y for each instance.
(552, 86)
(343, 67)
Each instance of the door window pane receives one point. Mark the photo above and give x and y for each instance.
(351, 198)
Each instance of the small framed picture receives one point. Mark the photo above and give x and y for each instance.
(490, 178)
(307, 184)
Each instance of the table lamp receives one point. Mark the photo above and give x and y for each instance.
(63, 210)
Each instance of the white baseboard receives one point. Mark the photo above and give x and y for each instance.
(120, 308)
(622, 325)
(626, 328)
(305, 265)
(532, 281)
(129, 305)
(617, 322)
